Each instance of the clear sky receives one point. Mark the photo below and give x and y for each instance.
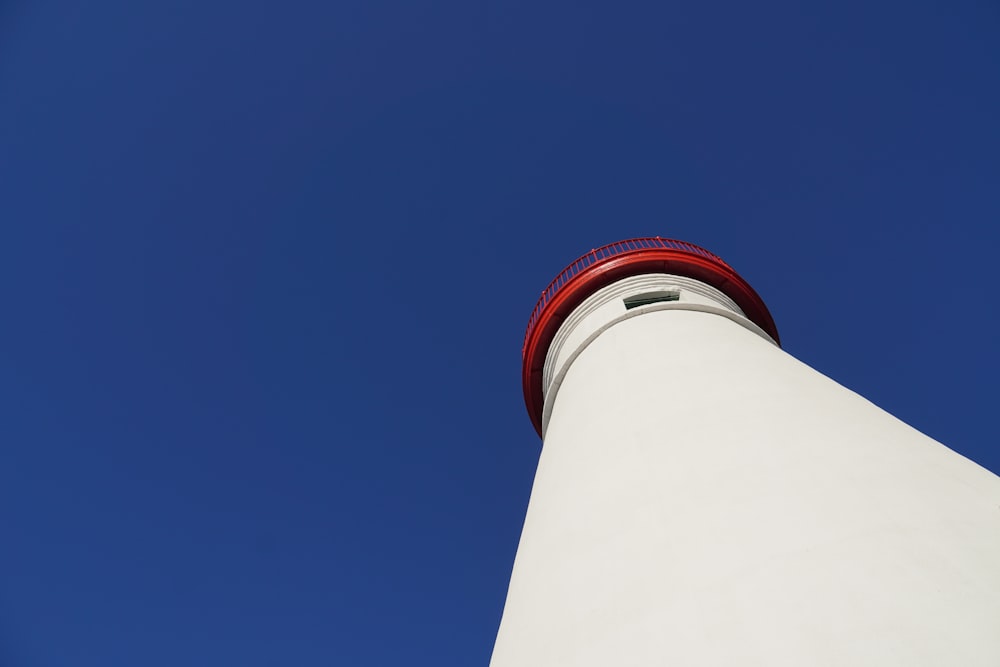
(265, 270)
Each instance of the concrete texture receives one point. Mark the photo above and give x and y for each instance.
(703, 498)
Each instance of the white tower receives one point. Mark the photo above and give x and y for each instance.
(703, 498)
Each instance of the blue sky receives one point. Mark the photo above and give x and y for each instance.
(265, 270)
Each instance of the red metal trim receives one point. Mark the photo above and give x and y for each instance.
(611, 263)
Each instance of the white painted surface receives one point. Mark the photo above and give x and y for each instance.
(606, 307)
(703, 498)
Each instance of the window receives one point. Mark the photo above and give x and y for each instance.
(647, 298)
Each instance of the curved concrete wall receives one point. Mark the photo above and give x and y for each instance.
(703, 498)
(606, 307)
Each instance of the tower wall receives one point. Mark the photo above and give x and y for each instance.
(703, 498)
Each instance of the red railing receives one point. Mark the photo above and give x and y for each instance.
(603, 253)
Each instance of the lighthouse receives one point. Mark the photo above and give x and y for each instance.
(704, 498)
